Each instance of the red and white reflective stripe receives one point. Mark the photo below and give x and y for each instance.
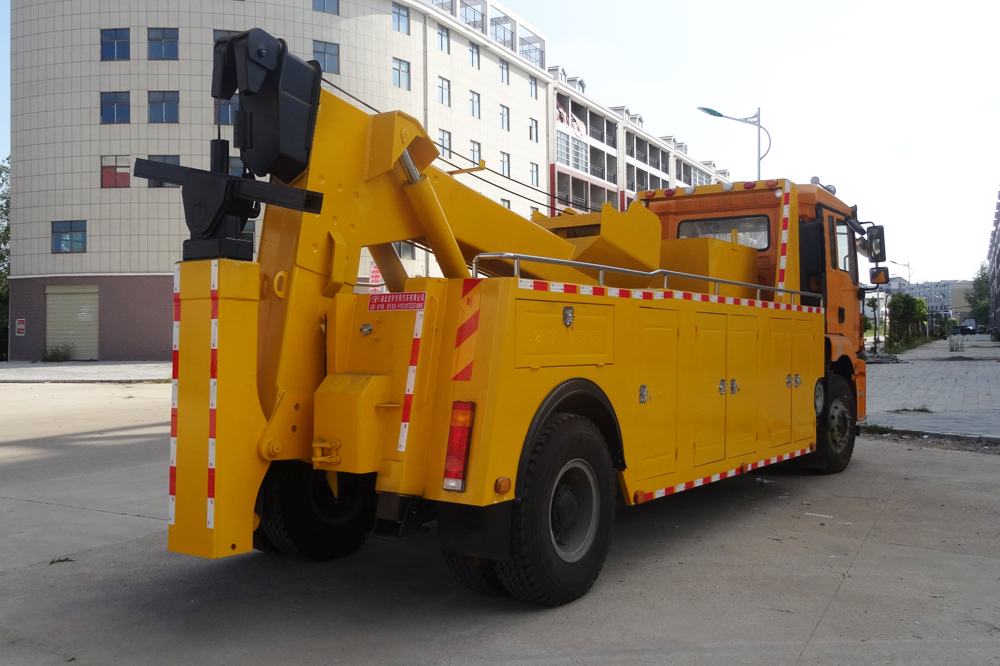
(657, 295)
(411, 377)
(213, 386)
(172, 488)
(784, 234)
(642, 496)
(749, 467)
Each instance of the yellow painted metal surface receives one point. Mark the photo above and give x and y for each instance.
(709, 256)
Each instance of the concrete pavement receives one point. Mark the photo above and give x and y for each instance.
(23, 372)
(960, 390)
(894, 561)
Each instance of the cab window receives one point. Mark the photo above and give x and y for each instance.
(846, 259)
(751, 230)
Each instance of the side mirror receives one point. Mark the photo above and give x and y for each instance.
(879, 275)
(876, 244)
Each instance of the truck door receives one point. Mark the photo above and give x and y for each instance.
(710, 386)
(657, 426)
(741, 403)
(806, 366)
(843, 310)
(779, 382)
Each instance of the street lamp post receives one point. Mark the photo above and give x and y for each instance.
(751, 120)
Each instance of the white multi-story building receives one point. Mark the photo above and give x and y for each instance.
(96, 84)
(945, 297)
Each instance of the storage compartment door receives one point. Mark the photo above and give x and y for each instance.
(710, 386)
(807, 359)
(656, 439)
(778, 391)
(741, 403)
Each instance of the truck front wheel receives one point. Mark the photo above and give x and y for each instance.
(561, 528)
(836, 427)
(307, 514)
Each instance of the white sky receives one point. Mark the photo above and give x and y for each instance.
(895, 103)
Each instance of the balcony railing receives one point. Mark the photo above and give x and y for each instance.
(654, 163)
(596, 207)
(563, 198)
(641, 156)
(630, 151)
(580, 201)
(611, 140)
(532, 53)
(630, 185)
(471, 16)
(443, 4)
(612, 177)
(597, 133)
(501, 33)
(596, 171)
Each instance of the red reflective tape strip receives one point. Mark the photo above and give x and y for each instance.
(624, 293)
(600, 291)
(414, 351)
(211, 483)
(211, 424)
(464, 375)
(407, 406)
(470, 326)
(214, 363)
(570, 289)
(411, 377)
(469, 284)
(538, 285)
(173, 480)
(173, 422)
(213, 388)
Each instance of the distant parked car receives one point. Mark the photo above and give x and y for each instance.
(956, 330)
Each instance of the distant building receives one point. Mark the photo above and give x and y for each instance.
(945, 297)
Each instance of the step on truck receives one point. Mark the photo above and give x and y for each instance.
(562, 366)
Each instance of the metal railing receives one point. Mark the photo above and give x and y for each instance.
(630, 185)
(611, 177)
(596, 171)
(471, 15)
(532, 53)
(597, 133)
(655, 165)
(443, 4)
(630, 151)
(501, 33)
(641, 156)
(562, 197)
(580, 201)
(611, 140)
(602, 269)
(596, 207)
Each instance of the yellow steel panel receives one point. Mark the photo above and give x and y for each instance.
(741, 402)
(543, 340)
(709, 388)
(352, 421)
(777, 375)
(711, 257)
(654, 444)
(807, 367)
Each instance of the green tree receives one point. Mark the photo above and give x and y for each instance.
(978, 297)
(904, 313)
(4, 256)
(920, 313)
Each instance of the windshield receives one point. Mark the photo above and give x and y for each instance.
(751, 230)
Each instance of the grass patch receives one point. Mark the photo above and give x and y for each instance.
(900, 346)
(58, 354)
(875, 430)
(922, 409)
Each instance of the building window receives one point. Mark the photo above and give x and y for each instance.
(505, 164)
(163, 106)
(474, 55)
(328, 56)
(474, 104)
(444, 39)
(533, 87)
(114, 108)
(444, 91)
(476, 153)
(328, 6)
(114, 171)
(504, 71)
(405, 250)
(534, 174)
(533, 129)
(163, 43)
(504, 118)
(225, 110)
(505, 203)
(166, 159)
(114, 44)
(400, 73)
(235, 167)
(562, 148)
(400, 19)
(580, 155)
(444, 142)
(69, 236)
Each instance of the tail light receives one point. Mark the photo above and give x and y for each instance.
(457, 458)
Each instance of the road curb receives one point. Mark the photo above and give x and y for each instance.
(866, 429)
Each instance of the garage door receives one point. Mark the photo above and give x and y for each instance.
(71, 319)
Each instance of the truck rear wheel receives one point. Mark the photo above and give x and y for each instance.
(302, 516)
(476, 573)
(561, 530)
(836, 427)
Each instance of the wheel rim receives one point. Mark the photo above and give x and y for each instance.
(839, 425)
(573, 510)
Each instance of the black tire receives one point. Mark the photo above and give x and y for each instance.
(476, 573)
(561, 528)
(836, 426)
(302, 517)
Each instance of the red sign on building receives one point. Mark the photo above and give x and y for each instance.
(19, 327)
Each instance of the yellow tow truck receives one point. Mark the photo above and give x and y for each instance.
(562, 366)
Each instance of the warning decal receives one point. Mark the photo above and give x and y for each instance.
(406, 300)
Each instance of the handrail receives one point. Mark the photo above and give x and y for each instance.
(602, 269)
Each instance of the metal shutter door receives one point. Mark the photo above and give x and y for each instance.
(71, 319)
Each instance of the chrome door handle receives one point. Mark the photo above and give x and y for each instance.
(722, 387)
(788, 381)
(798, 380)
(733, 386)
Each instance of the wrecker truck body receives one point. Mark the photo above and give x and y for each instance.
(562, 366)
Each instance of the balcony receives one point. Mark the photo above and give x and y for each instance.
(596, 207)
(612, 177)
(611, 140)
(501, 33)
(445, 5)
(597, 133)
(654, 163)
(580, 202)
(596, 171)
(563, 198)
(532, 53)
(471, 16)
(630, 185)
(641, 156)
(630, 151)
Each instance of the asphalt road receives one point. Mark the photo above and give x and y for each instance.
(894, 561)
